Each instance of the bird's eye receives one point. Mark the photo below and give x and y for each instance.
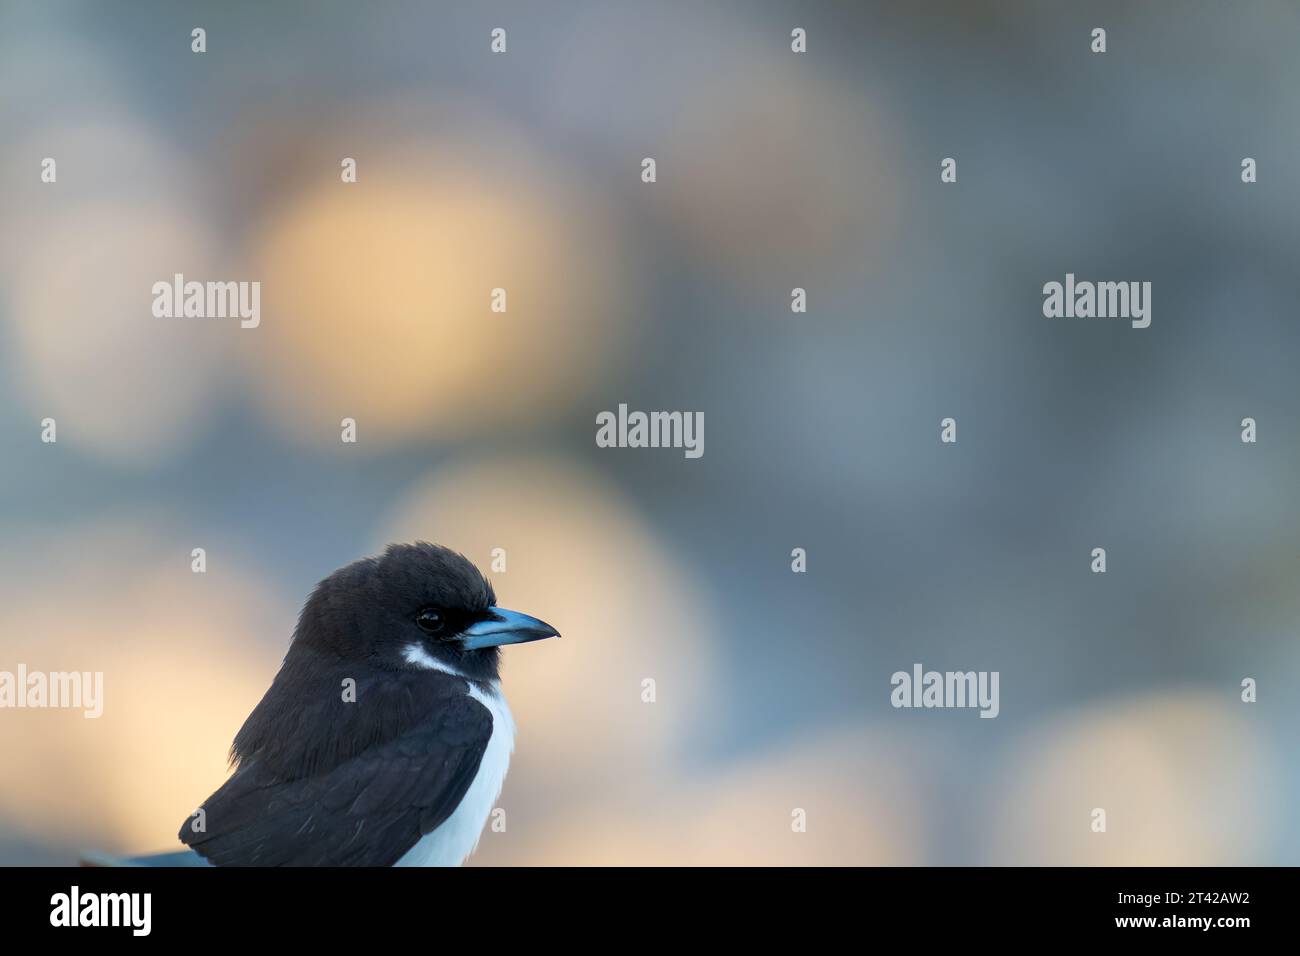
(429, 620)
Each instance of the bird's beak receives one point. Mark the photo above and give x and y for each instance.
(505, 627)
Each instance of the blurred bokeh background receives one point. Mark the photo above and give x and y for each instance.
(476, 430)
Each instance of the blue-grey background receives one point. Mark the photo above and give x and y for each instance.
(775, 170)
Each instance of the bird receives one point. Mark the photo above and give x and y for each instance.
(384, 738)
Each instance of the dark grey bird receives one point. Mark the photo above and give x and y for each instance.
(384, 738)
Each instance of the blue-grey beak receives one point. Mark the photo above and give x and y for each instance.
(505, 627)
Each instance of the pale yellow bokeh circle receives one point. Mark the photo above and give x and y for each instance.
(1185, 779)
(378, 297)
(182, 666)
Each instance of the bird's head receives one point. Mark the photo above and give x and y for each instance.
(416, 606)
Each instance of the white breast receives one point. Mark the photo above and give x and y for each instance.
(456, 838)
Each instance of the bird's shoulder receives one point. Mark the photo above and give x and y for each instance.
(328, 802)
(319, 713)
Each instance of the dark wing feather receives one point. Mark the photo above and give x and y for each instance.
(362, 809)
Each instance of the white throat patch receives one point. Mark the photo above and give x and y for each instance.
(417, 655)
